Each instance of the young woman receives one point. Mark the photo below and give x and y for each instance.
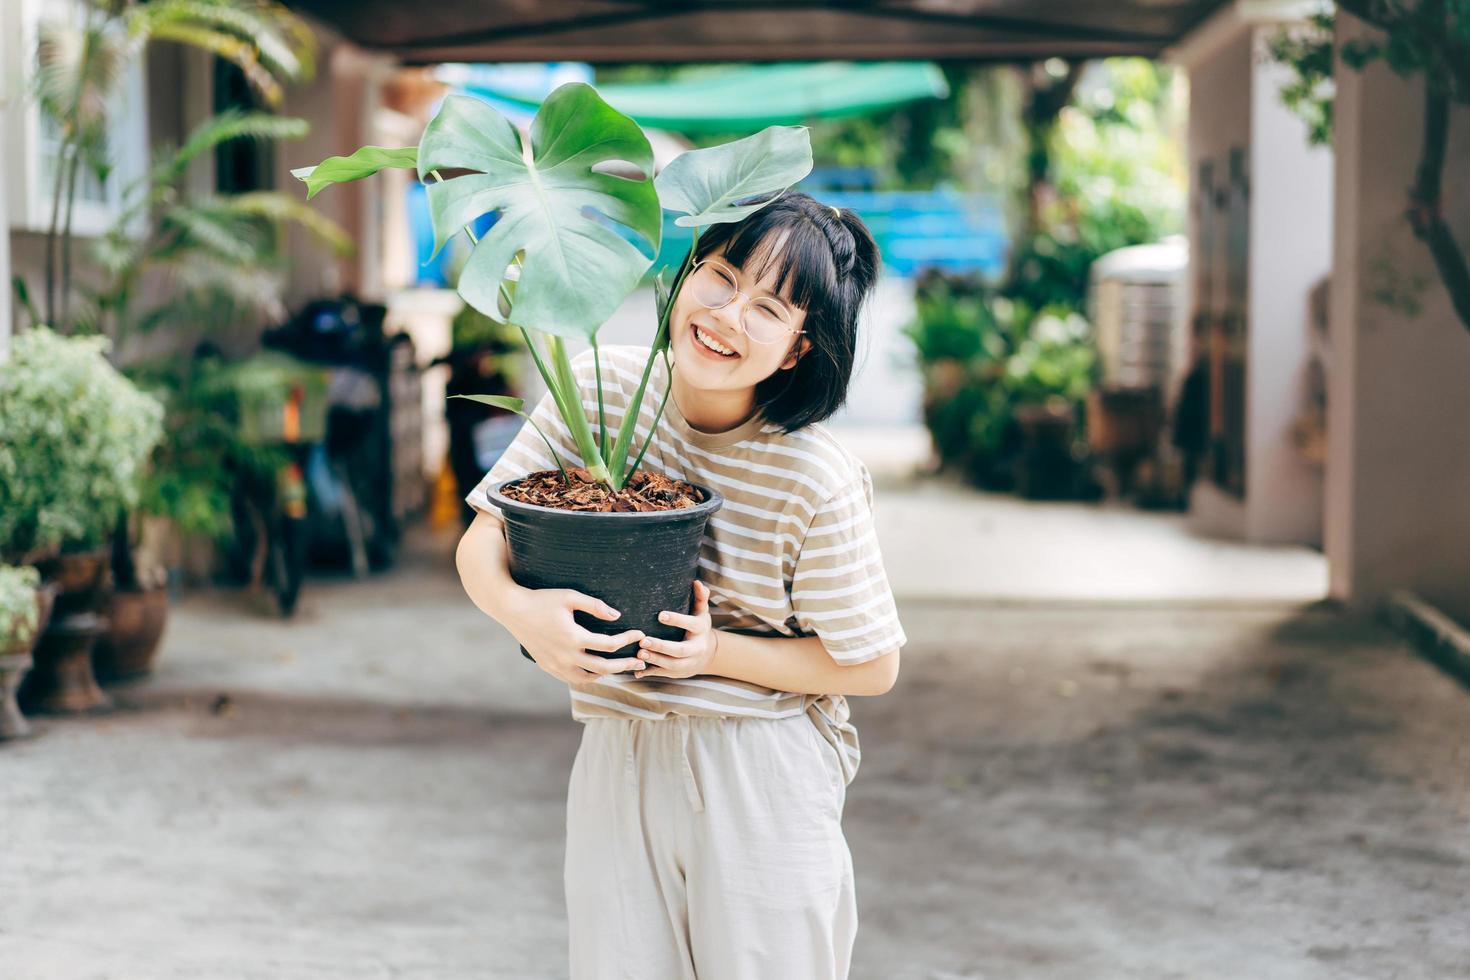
(704, 835)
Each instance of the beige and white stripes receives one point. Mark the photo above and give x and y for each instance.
(792, 552)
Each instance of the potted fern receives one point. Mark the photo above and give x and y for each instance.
(580, 216)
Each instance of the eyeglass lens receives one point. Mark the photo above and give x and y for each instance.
(765, 320)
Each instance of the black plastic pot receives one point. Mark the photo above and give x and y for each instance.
(640, 564)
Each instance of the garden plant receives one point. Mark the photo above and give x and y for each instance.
(75, 436)
(20, 615)
(580, 216)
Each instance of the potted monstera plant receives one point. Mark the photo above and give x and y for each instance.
(580, 217)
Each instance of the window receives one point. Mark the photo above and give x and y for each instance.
(32, 140)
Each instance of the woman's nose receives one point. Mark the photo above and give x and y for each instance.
(732, 314)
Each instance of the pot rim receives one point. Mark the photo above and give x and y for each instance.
(713, 501)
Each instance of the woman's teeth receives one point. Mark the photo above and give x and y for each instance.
(713, 344)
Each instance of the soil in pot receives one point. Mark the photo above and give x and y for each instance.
(643, 492)
(129, 645)
(637, 550)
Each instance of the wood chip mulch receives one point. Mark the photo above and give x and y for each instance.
(643, 492)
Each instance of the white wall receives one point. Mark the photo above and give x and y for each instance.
(1218, 60)
(1398, 512)
(1235, 102)
(1291, 249)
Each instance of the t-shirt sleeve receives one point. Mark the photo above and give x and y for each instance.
(839, 590)
(527, 452)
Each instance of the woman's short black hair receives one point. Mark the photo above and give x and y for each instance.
(827, 263)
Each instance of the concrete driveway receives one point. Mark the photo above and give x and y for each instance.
(1052, 791)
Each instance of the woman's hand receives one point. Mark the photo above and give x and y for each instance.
(543, 623)
(694, 653)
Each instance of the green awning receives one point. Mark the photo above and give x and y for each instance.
(750, 97)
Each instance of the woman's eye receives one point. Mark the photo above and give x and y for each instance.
(769, 311)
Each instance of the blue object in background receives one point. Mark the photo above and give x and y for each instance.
(915, 230)
(426, 271)
(438, 270)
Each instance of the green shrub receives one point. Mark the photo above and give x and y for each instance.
(982, 355)
(17, 604)
(74, 438)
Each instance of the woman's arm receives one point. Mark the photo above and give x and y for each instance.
(540, 619)
(484, 569)
(800, 665)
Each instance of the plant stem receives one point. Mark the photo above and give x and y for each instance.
(576, 417)
(668, 390)
(660, 342)
(71, 200)
(54, 227)
(601, 414)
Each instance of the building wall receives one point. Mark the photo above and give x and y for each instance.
(1235, 104)
(178, 94)
(1219, 67)
(1398, 515)
(341, 103)
(1290, 251)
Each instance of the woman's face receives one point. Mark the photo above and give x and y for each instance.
(751, 362)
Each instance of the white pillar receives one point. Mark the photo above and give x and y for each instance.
(1398, 460)
(7, 104)
(1238, 124)
(1290, 252)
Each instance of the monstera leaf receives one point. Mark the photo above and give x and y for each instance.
(567, 220)
(365, 162)
(727, 182)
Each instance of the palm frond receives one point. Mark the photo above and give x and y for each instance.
(286, 208)
(194, 227)
(77, 68)
(237, 51)
(232, 124)
(268, 42)
(196, 272)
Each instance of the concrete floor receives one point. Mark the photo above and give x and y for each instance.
(1052, 791)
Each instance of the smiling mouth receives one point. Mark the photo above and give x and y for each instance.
(708, 341)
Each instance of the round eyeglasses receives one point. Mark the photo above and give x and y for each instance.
(764, 320)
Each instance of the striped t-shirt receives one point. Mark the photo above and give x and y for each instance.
(791, 553)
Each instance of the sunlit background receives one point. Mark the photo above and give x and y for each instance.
(1160, 391)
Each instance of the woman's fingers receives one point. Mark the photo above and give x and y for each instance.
(701, 598)
(603, 665)
(610, 644)
(668, 648)
(572, 675)
(681, 621)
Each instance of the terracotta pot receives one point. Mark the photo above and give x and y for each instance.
(81, 579)
(135, 622)
(15, 662)
(62, 682)
(61, 678)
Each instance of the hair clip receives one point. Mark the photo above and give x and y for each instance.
(835, 213)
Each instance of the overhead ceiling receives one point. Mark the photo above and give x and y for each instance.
(607, 31)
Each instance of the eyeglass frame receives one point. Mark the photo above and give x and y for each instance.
(748, 300)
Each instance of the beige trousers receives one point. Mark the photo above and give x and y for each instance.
(708, 849)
